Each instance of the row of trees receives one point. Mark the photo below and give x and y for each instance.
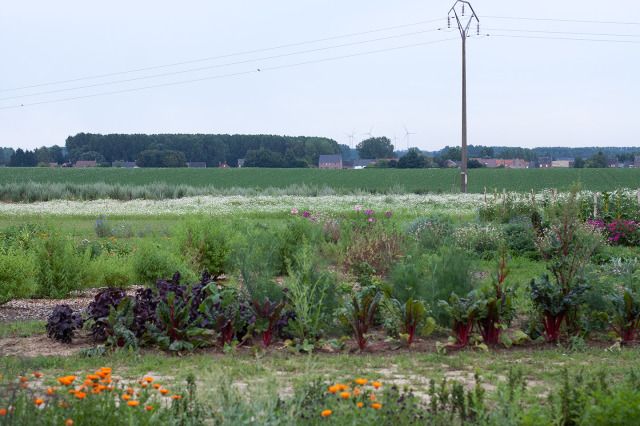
(211, 149)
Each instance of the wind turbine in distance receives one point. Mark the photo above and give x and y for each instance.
(406, 136)
(369, 133)
(350, 136)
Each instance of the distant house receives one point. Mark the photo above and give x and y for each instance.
(92, 163)
(563, 162)
(197, 165)
(330, 162)
(626, 165)
(53, 164)
(223, 165)
(636, 162)
(545, 162)
(452, 164)
(489, 162)
(125, 164)
(612, 162)
(240, 162)
(533, 165)
(514, 163)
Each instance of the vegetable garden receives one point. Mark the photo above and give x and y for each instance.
(403, 309)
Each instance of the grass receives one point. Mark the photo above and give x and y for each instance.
(371, 180)
(21, 328)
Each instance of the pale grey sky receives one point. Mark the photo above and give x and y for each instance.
(521, 91)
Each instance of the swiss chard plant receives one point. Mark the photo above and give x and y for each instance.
(176, 332)
(463, 313)
(62, 323)
(225, 313)
(267, 316)
(119, 325)
(625, 320)
(411, 319)
(555, 303)
(99, 310)
(496, 308)
(358, 313)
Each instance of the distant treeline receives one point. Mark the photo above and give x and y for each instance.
(211, 149)
(533, 154)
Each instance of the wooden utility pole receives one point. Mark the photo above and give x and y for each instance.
(464, 23)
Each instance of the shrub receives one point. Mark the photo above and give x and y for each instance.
(151, 263)
(57, 267)
(519, 237)
(16, 275)
(375, 245)
(430, 232)
(62, 323)
(108, 270)
(478, 238)
(206, 241)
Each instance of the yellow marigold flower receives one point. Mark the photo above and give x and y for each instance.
(69, 422)
(38, 401)
(345, 395)
(361, 382)
(376, 384)
(376, 405)
(332, 389)
(38, 374)
(133, 403)
(176, 397)
(326, 413)
(80, 395)
(359, 404)
(125, 397)
(148, 379)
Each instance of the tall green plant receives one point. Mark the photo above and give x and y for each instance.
(58, 268)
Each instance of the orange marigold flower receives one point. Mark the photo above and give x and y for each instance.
(23, 379)
(148, 407)
(361, 382)
(148, 379)
(3, 412)
(109, 388)
(96, 391)
(88, 382)
(38, 401)
(345, 395)
(376, 405)
(359, 404)
(80, 395)
(93, 377)
(356, 391)
(342, 387)
(326, 413)
(63, 404)
(25, 384)
(69, 422)
(140, 381)
(106, 370)
(72, 391)
(125, 397)
(49, 391)
(37, 374)
(157, 386)
(372, 397)
(101, 374)
(130, 390)
(144, 385)
(176, 397)
(164, 391)
(133, 403)
(376, 384)
(333, 389)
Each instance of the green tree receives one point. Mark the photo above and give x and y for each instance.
(373, 148)
(91, 156)
(263, 158)
(453, 154)
(412, 160)
(596, 161)
(578, 162)
(23, 159)
(486, 152)
(42, 155)
(56, 155)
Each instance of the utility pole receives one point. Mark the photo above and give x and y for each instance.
(464, 23)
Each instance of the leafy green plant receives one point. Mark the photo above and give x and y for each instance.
(16, 275)
(225, 313)
(57, 267)
(359, 314)
(153, 262)
(410, 319)
(267, 316)
(62, 323)
(119, 325)
(463, 313)
(625, 320)
(176, 332)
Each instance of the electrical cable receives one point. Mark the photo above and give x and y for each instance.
(566, 38)
(563, 32)
(562, 20)
(229, 75)
(215, 66)
(222, 56)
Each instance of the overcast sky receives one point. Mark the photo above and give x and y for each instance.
(521, 91)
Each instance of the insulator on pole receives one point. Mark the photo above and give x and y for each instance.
(478, 29)
(448, 21)
(463, 10)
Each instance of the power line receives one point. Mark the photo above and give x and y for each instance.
(284, 46)
(230, 75)
(563, 20)
(563, 32)
(216, 66)
(566, 38)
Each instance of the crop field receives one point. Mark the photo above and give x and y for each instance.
(358, 308)
(371, 180)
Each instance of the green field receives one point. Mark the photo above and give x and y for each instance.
(374, 180)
